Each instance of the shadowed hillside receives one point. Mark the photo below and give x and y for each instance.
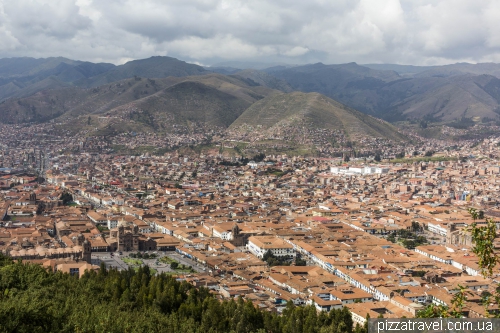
(351, 84)
(443, 93)
(253, 77)
(21, 77)
(68, 102)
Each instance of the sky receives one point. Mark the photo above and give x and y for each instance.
(207, 32)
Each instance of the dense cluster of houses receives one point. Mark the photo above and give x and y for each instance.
(346, 226)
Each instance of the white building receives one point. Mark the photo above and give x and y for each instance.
(437, 228)
(222, 233)
(366, 170)
(112, 222)
(259, 245)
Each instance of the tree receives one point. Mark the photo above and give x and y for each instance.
(88, 120)
(433, 311)
(33, 299)
(66, 198)
(409, 244)
(347, 158)
(272, 260)
(483, 239)
(418, 273)
(377, 158)
(259, 157)
(391, 238)
(267, 255)
(174, 265)
(458, 302)
(299, 261)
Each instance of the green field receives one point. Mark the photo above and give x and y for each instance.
(166, 260)
(133, 262)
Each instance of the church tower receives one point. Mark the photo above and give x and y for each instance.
(235, 231)
(32, 198)
(87, 252)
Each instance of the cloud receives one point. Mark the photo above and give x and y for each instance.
(296, 51)
(59, 19)
(334, 31)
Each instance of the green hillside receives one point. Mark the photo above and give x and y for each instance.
(315, 111)
(182, 104)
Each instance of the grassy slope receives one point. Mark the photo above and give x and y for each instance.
(316, 111)
(187, 102)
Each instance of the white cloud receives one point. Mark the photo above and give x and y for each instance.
(296, 51)
(332, 31)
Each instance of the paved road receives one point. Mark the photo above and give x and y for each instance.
(185, 261)
(110, 261)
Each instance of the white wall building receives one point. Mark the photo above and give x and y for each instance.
(367, 170)
(437, 228)
(259, 245)
(112, 222)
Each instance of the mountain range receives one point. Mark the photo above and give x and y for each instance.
(21, 77)
(161, 92)
(393, 92)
